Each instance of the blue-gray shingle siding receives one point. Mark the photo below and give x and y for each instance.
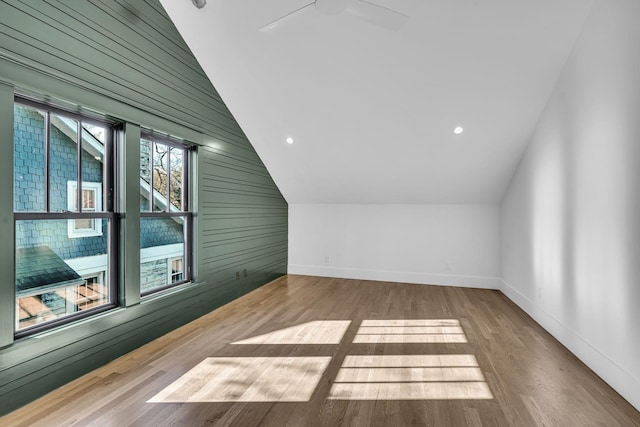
(29, 189)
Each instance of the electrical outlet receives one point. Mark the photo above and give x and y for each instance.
(447, 266)
(237, 275)
(327, 259)
(245, 272)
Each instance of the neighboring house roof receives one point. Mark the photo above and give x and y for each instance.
(89, 142)
(39, 269)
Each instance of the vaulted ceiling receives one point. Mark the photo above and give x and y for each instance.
(372, 111)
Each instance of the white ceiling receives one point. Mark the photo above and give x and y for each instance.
(371, 110)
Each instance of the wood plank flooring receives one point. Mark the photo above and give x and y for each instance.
(307, 351)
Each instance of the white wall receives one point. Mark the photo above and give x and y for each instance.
(571, 217)
(430, 244)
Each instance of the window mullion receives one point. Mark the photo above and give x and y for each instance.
(152, 149)
(109, 171)
(168, 178)
(186, 160)
(186, 265)
(79, 160)
(7, 226)
(186, 187)
(47, 160)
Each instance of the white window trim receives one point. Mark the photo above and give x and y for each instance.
(170, 268)
(72, 190)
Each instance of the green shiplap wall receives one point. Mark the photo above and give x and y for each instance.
(125, 59)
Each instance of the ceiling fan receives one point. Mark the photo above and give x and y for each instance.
(363, 9)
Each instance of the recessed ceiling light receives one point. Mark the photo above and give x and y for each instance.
(458, 130)
(289, 140)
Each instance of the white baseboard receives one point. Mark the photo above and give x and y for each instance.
(397, 276)
(613, 374)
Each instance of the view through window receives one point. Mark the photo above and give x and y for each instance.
(63, 249)
(165, 224)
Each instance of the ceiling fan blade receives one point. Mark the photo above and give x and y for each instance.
(277, 22)
(378, 15)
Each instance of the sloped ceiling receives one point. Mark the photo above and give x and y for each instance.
(371, 110)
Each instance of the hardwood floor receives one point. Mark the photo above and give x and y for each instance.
(306, 351)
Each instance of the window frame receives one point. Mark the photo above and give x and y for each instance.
(186, 210)
(108, 203)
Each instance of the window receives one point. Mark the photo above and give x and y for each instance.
(91, 202)
(176, 270)
(165, 228)
(64, 218)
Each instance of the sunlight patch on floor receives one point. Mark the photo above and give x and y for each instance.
(411, 322)
(414, 360)
(247, 379)
(414, 377)
(314, 332)
(361, 377)
(410, 331)
(409, 374)
(411, 391)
